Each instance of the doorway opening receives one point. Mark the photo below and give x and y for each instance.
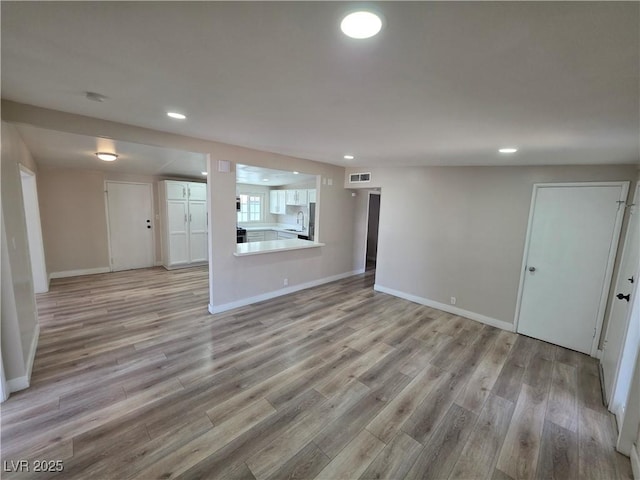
(34, 230)
(373, 224)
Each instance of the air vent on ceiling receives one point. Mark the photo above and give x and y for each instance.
(360, 177)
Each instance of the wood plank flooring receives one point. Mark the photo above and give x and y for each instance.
(133, 378)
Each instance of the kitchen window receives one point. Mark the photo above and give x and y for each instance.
(251, 207)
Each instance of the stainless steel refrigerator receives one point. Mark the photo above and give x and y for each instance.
(312, 221)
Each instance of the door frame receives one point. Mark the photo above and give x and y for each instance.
(366, 230)
(34, 230)
(613, 399)
(153, 216)
(610, 261)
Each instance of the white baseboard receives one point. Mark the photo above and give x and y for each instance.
(635, 462)
(278, 293)
(32, 351)
(17, 384)
(494, 322)
(20, 383)
(77, 273)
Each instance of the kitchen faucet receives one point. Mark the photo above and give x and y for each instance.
(298, 219)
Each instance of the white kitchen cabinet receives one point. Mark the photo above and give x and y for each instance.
(297, 197)
(261, 235)
(286, 235)
(183, 209)
(258, 236)
(311, 195)
(277, 202)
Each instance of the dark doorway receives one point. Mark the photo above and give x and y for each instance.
(372, 231)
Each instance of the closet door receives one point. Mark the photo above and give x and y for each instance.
(198, 231)
(177, 222)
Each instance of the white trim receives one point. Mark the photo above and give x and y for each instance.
(494, 322)
(20, 383)
(635, 461)
(77, 273)
(213, 309)
(34, 230)
(614, 402)
(32, 351)
(17, 384)
(598, 354)
(610, 262)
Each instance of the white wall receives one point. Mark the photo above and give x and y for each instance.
(460, 231)
(19, 314)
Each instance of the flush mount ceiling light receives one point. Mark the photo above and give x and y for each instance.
(361, 25)
(265, 179)
(348, 157)
(296, 173)
(106, 156)
(176, 115)
(204, 173)
(95, 96)
(508, 150)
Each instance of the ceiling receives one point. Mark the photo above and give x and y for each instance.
(444, 83)
(272, 178)
(54, 149)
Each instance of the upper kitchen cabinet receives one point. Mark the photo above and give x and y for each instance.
(297, 197)
(311, 194)
(277, 202)
(183, 208)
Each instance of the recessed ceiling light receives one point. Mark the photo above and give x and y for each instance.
(106, 156)
(296, 173)
(349, 157)
(361, 24)
(265, 179)
(508, 150)
(176, 115)
(204, 173)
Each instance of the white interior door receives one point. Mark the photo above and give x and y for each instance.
(130, 225)
(571, 242)
(619, 329)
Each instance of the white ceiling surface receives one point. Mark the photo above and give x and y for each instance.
(256, 176)
(444, 83)
(53, 149)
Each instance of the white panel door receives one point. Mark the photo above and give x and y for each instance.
(619, 326)
(572, 237)
(198, 231)
(177, 221)
(130, 225)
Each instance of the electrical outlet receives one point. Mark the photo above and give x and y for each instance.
(286, 282)
(453, 300)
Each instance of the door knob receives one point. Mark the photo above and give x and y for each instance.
(627, 297)
(532, 269)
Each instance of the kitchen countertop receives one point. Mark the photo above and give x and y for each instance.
(270, 246)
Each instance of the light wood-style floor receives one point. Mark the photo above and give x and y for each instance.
(133, 378)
